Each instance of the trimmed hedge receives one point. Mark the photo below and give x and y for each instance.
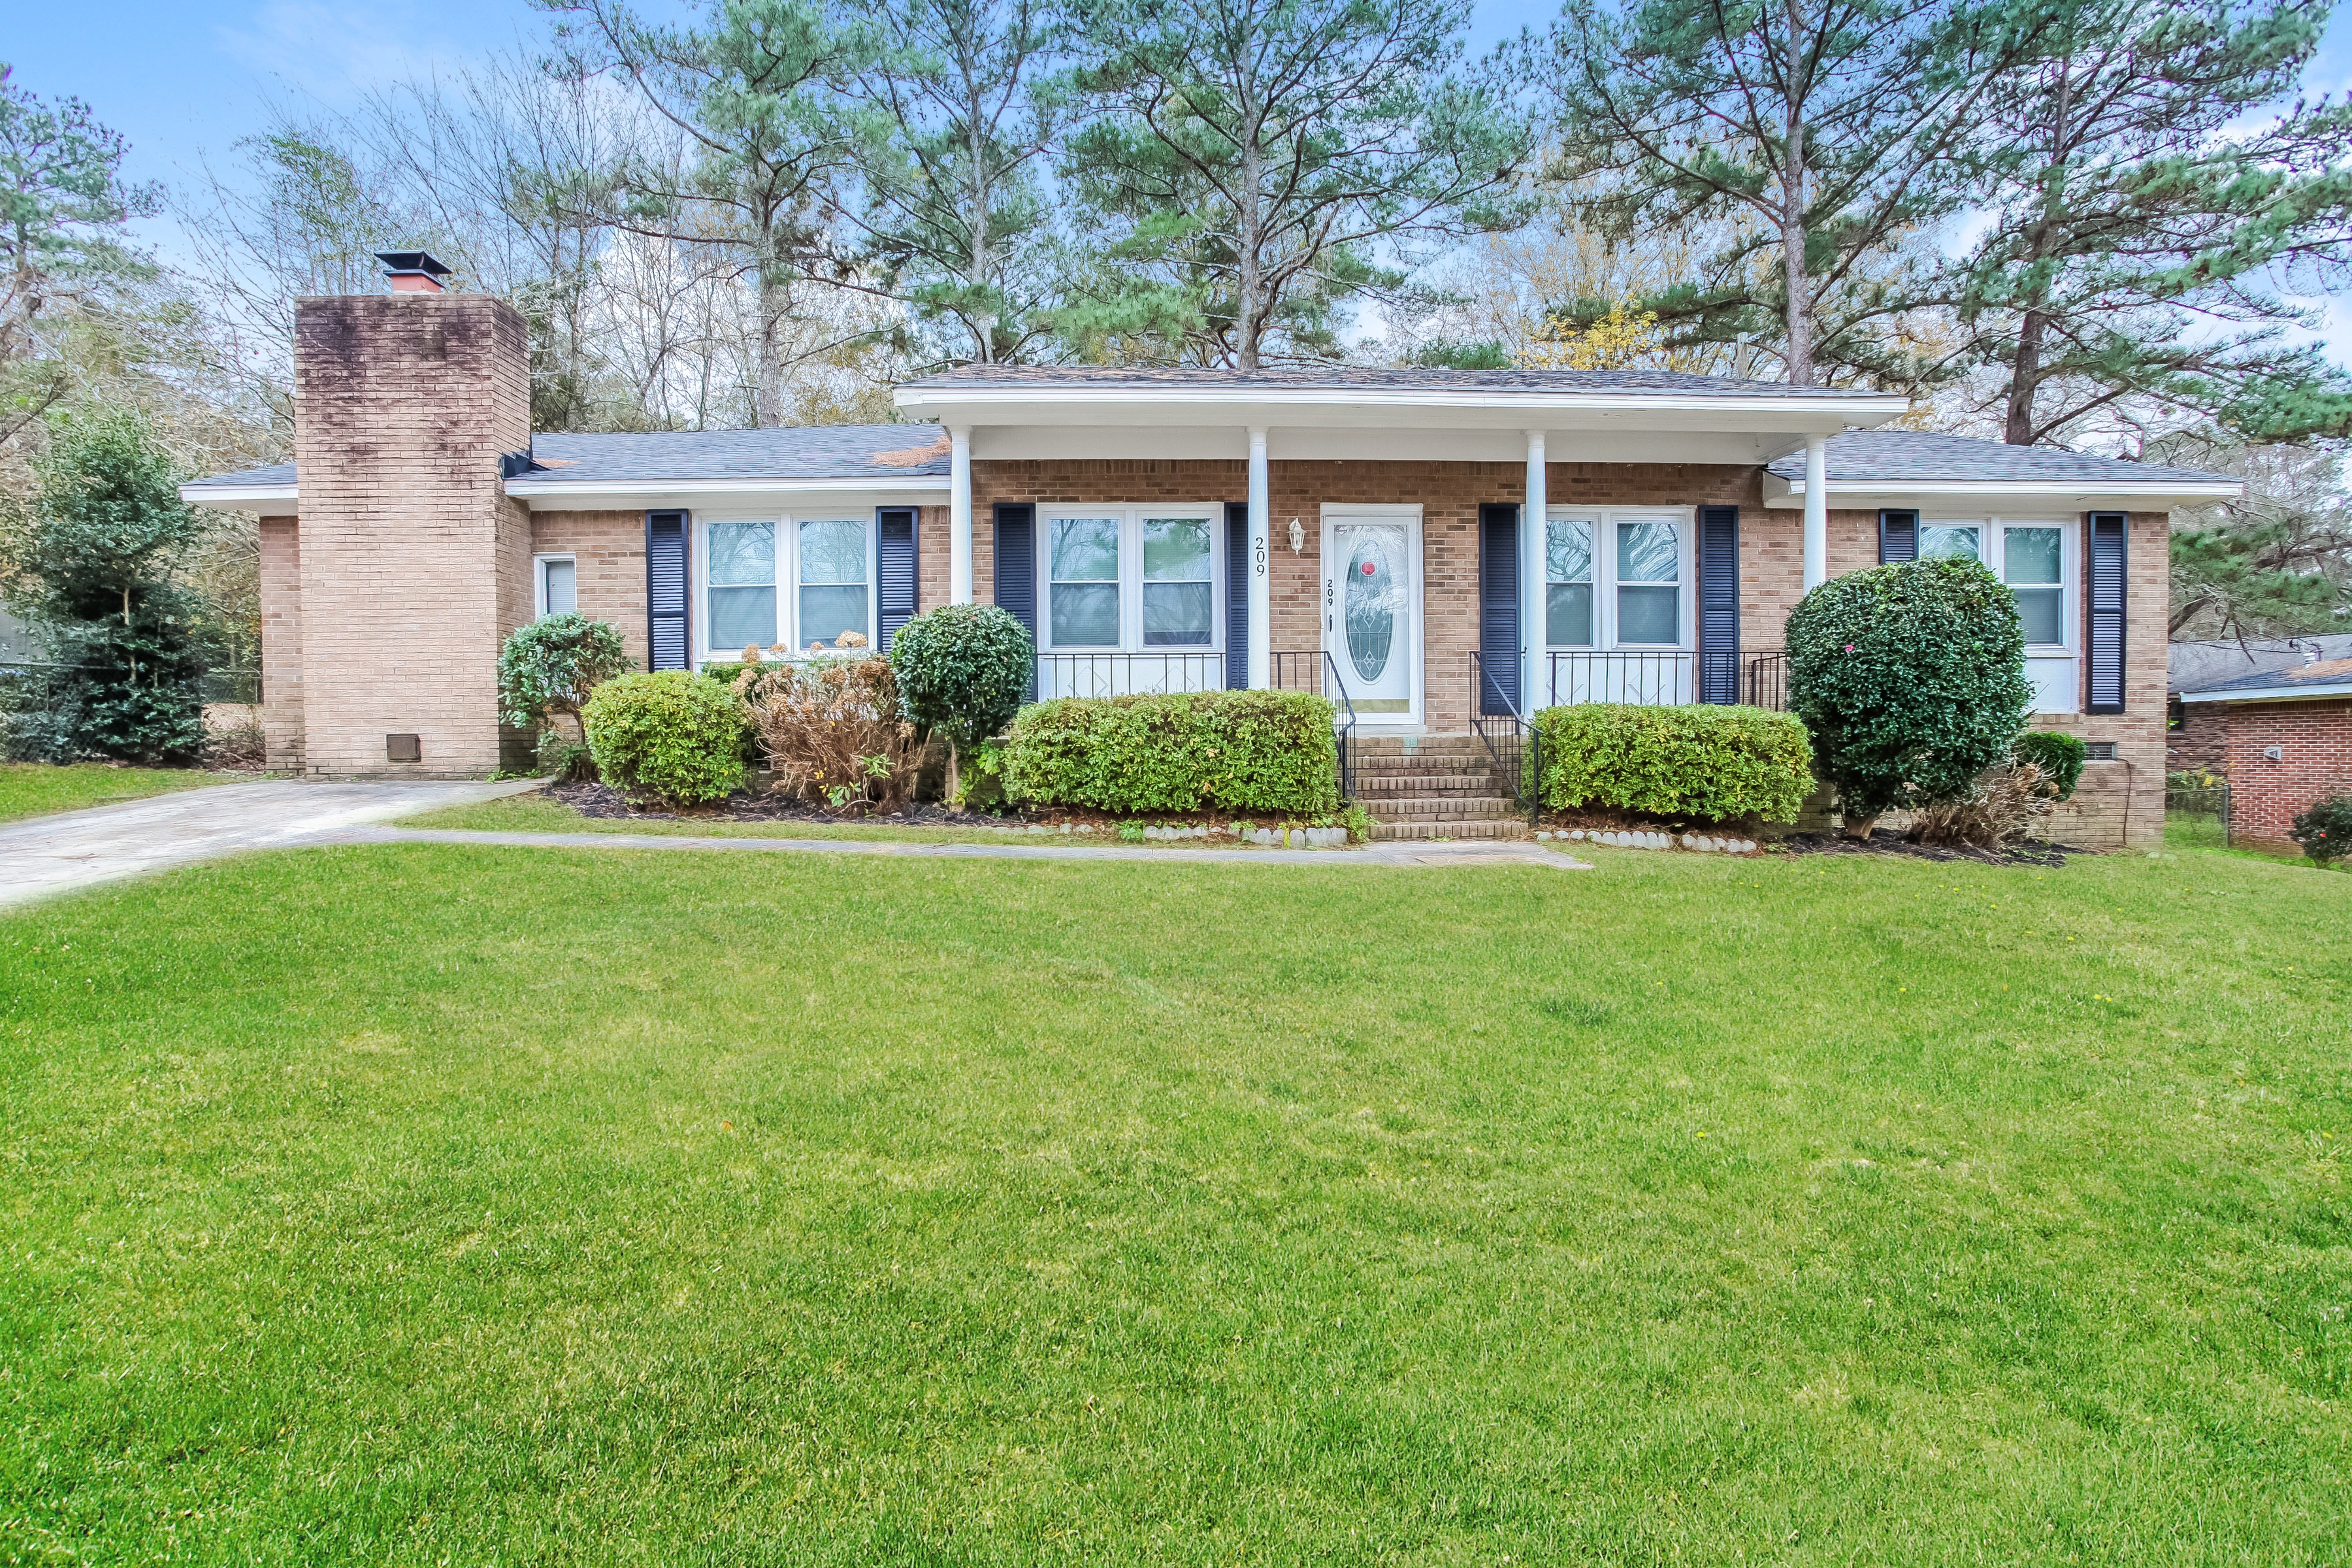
(1221, 751)
(1702, 761)
(2058, 754)
(672, 735)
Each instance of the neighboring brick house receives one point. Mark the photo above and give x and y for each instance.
(2286, 741)
(1353, 531)
(2197, 737)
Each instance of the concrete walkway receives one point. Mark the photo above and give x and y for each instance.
(46, 854)
(1506, 852)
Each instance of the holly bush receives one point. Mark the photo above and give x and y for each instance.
(962, 670)
(670, 736)
(551, 664)
(1911, 678)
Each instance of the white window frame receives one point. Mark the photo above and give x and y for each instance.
(1130, 577)
(539, 565)
(788, 630)
(1604, 520)
(1992, 535)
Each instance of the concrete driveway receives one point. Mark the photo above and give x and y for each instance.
(46, 854)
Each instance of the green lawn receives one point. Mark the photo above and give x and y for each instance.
(36, 789)
(424, 1204)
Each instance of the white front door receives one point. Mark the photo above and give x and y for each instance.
(1371, 612)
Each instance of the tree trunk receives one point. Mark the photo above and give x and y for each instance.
(767, 387)
(1798, 313)
(975, 148)
(2024, 380)
(1248, 224)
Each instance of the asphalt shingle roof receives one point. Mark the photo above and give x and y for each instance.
(2327, 672)
(274, 474)
(800, 452)
(1342, 378)
(1895, 456)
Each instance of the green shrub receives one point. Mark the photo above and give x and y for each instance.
(1219, 751)
(2058, 754)
(1715, 763)
(1911, 678)
(549, 667)
(670, 735)
(962, 671)
(2325, 831)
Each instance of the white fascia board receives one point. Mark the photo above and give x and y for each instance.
(560, 495)
(270, 500)
(2338, 688)
(1366, 405)
(2151, 496)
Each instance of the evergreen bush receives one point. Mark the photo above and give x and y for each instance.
(2059, 756)
(1219, 751)
(1719, 763)
(547, 670)
(962, 671)
(2325, 830)
(669, 736)
(1911, 678)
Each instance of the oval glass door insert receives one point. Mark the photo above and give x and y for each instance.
(1374, 599)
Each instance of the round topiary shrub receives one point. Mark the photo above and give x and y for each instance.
(2325, 830)
(962, 670)
(1912, 679)
(670, 736)
(2059, 756)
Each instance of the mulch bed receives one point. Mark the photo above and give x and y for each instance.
(1886, 841)
(607, 804)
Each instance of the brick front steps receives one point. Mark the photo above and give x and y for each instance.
(1433, 787)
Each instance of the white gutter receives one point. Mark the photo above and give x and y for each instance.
(237, 498)
(2270, 693)
(534, 489)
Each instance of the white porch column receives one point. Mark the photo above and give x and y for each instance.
(1817, 510)
(1532, 538)
(958, 515)
(1261, 585)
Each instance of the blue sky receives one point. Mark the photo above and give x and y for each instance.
(184, 80)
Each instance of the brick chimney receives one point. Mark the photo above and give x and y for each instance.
(412, 563)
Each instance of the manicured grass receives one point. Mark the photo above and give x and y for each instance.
(539, 814)
(36, 789)
(416, 1204)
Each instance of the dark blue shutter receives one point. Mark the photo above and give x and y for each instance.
(894, 531)
(2104, 582)
(1898, 536)
(667, 622)
(1498, 608)
(1236, 595)
(1017, 571)
(1718, 604)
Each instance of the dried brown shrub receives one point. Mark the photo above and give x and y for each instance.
(2010, 803)
(830, 729)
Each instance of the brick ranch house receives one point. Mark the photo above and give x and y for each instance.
(1364, 532)
(2285, 742)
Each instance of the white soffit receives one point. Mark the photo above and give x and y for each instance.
(2337, 690)
(1957, 497)
(1393, 409)
(268, 500)
(1290, 443)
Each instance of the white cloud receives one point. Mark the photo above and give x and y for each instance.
(332, 52)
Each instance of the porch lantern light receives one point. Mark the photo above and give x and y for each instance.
(1297, 538)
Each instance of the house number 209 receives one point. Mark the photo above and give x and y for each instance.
(1257, 557)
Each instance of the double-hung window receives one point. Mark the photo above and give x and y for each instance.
(790, 581)
(1130, 579)
(1617, 580)
(2036, 561)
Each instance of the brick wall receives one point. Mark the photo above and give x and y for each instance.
(2200, 742)
(281, 644)
(609, 549)
(2315, 741)
(413, 564)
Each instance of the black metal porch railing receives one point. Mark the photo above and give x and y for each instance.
(1513, 745)
(1316, 671)
(1664, 678)
(1128, 674)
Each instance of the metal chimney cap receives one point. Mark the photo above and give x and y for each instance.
(411, 263)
